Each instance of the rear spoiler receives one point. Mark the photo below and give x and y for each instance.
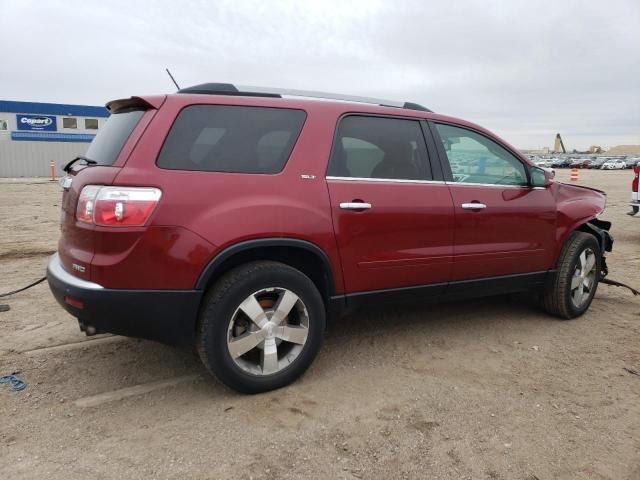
(145, 103)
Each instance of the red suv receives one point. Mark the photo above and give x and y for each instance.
(239, 220)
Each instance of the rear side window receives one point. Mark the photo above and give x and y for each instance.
(220, 138)
(379, 147)
(110, 139)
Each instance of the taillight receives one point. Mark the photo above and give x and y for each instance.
(117, 206)
(86, 203)
(634, 184)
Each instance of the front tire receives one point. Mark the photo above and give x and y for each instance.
(569, 294)
(261, 326)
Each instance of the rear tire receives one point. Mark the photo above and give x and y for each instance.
(261, 326)
(569, 294)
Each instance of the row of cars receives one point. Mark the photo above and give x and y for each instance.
(602, 163)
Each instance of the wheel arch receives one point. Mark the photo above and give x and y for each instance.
(593, 226)
(300, 254)
(600, 230)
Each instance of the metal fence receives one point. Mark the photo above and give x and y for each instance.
(32, 159)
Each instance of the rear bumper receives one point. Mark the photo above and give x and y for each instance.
(168, 316)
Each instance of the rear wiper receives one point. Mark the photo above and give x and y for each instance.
(88, 161)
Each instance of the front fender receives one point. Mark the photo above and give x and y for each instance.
(577, 209)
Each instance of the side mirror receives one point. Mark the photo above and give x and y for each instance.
(541, 177)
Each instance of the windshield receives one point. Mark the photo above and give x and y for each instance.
(106, 145)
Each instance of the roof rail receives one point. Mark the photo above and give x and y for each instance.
(248, 91)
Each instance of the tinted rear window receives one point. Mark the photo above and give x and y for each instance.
(217, 138)
(380, 147)
(110, 139)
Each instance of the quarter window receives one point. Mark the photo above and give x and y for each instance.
(110, 139)
(379, 147)
(69, 122)
(476, 159)
(218, 138)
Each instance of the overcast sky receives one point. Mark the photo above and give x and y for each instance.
(524, 69)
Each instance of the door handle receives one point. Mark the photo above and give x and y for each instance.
(355, 206)
(473, 206)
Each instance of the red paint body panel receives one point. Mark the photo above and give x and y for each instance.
(163, 258)
(415, 234)
(77, 240)
(575, 206)
(405, 239)
(514, 234)
(227, 208)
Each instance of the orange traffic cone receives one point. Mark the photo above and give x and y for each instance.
(574, 175)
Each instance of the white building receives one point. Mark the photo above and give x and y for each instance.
(34, 134)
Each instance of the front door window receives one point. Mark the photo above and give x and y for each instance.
(476, 159)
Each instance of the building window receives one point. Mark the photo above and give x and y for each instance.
(3, 125)
(68, 122)
(91, 123)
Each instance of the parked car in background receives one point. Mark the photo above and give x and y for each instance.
(616, 164)
(566, 163)
(628, 162)
(576, 163)
(632, 162)
(585, 163)
(542, 162)
(560, 162)
(635, 198)
(598, 162)
(239, 220)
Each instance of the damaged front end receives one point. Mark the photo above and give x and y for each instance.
(600, 229)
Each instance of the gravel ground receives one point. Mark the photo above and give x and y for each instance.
(488, 388)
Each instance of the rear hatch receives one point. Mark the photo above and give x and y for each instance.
(105, 157)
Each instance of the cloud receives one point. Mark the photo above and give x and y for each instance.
(523, 69)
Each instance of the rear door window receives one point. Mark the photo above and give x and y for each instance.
(220, 138)
(379, 148)
(110, 139)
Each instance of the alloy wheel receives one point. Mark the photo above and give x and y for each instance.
(268, 331)
(584, 278)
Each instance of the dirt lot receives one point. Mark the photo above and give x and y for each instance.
(484, 389)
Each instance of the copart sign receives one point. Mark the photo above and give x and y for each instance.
(36, 122)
